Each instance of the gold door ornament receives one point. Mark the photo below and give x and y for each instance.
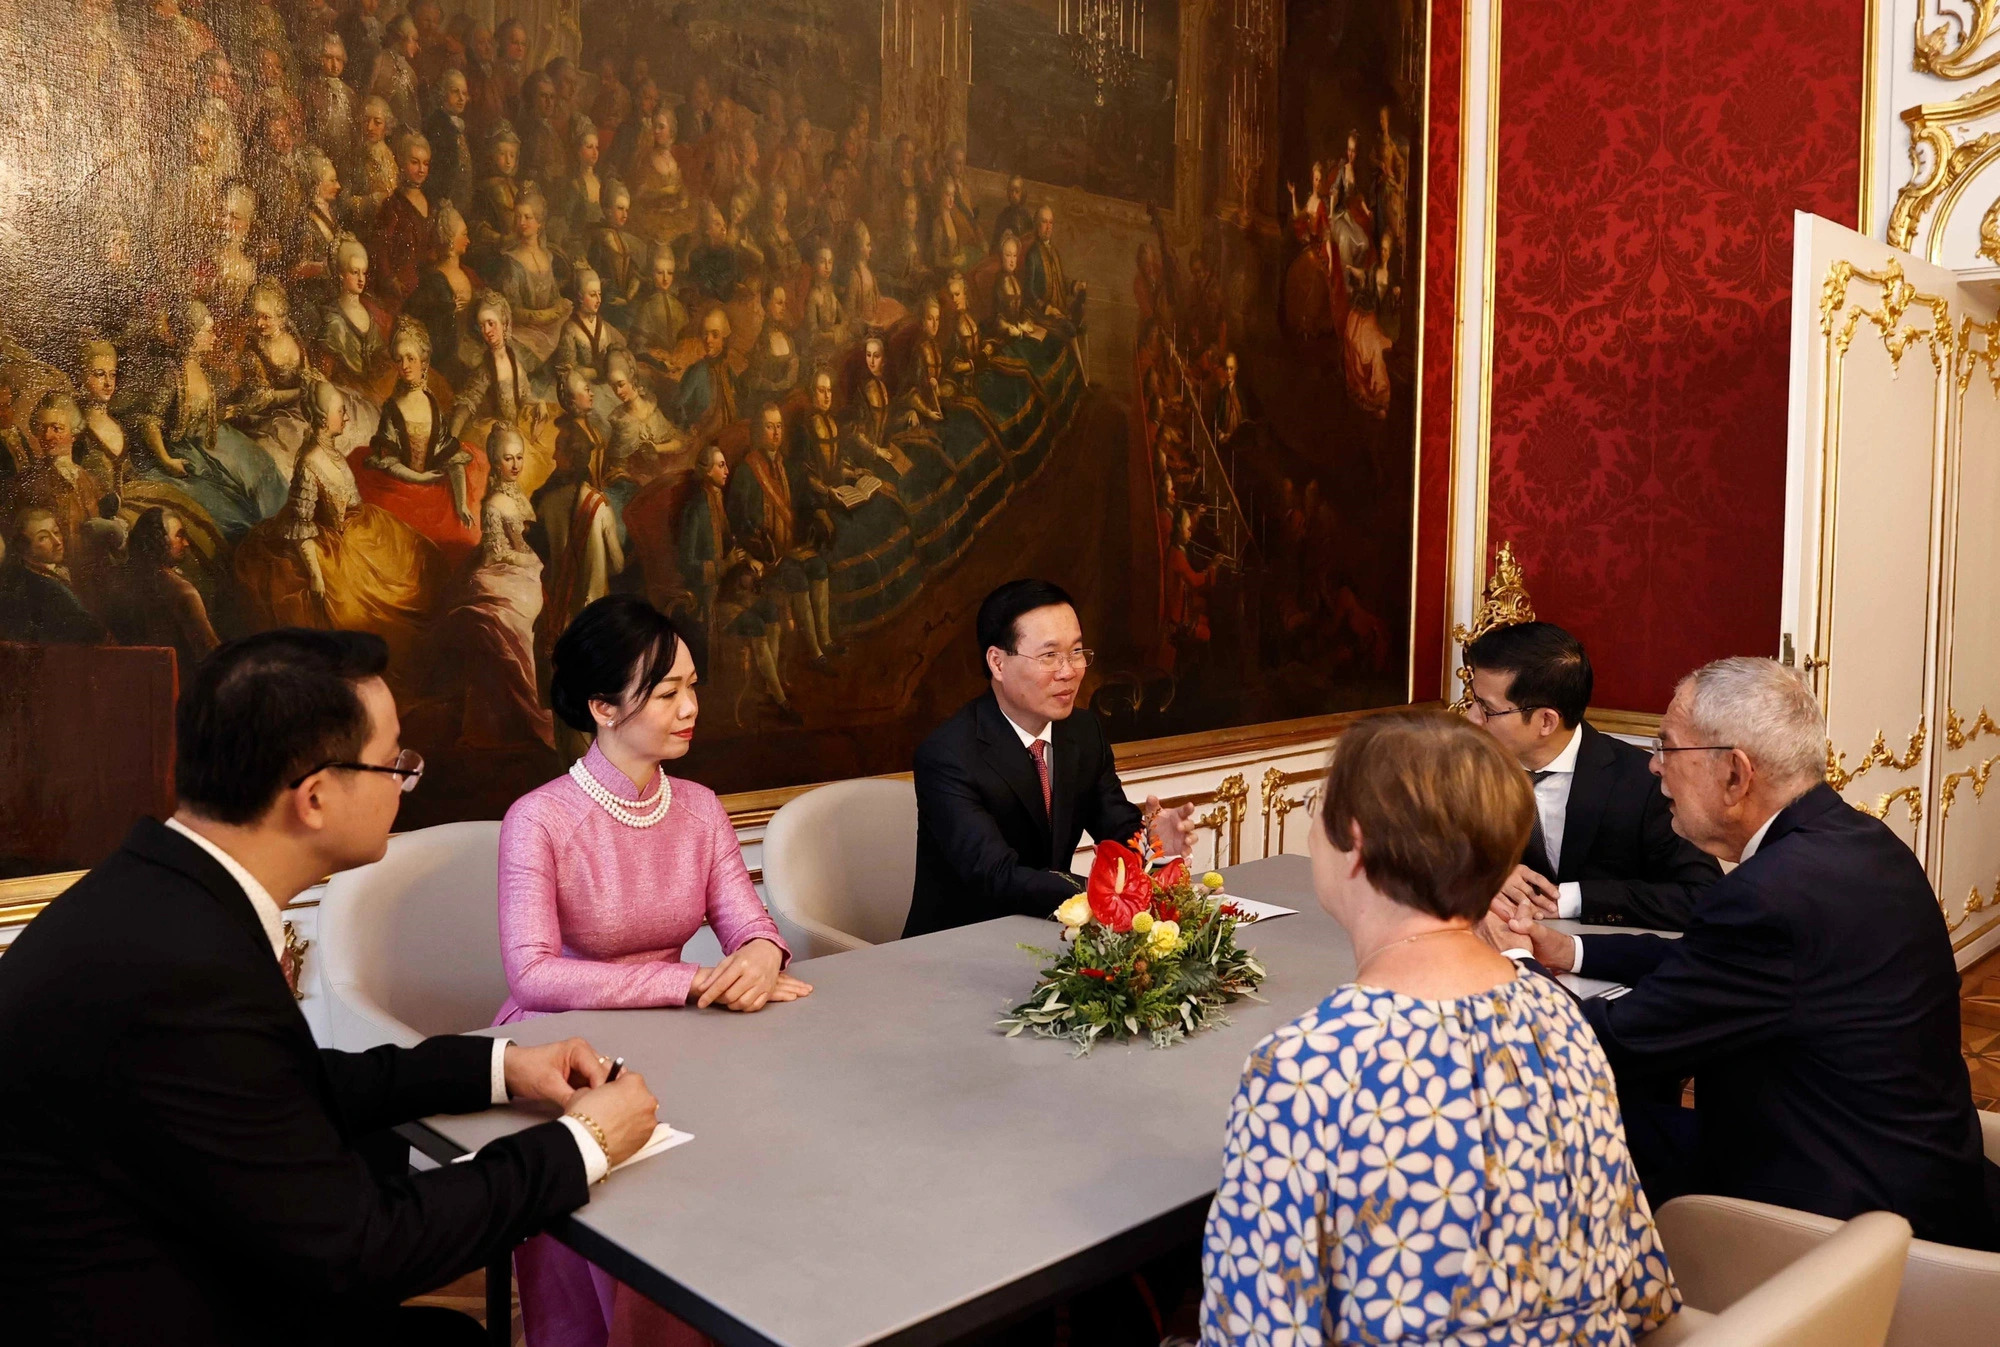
(1976, 774)
(1975, 901)
(1878, 755)
(294, 961)
(1506, 604)
(1912, 796)
(1957, 734)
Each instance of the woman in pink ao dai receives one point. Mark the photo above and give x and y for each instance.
(605, 874)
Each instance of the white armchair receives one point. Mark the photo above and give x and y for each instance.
(1840, 1292)
(410, 946)
(840, 863)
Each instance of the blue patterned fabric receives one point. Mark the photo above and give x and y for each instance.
(1449, 1172)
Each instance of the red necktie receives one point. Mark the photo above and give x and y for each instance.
(1040, 748)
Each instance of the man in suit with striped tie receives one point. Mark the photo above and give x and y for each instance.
(1007, 787)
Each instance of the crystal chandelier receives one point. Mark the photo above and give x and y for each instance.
(1107, 39)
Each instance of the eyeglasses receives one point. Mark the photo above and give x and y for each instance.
(409, 767)
(1660, 748)
(1053, 659)
(1488, 713)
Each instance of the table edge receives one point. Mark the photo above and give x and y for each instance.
(1119, 1253)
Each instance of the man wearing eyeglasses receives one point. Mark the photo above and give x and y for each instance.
(1812, 998)
(179, 1163)
(1604, 849)
(1008, 786)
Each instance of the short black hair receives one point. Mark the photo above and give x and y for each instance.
(1000, 612)
(264, 709)
(596, 658)
(1548, 665)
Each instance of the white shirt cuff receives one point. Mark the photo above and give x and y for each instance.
(596, 1164)
(1576, 954)
(500, 1070)
(1569, 900)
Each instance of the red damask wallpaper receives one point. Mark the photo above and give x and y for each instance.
(1652, 153)
(1440, 315)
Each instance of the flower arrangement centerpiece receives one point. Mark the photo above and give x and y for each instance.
(1149, 951)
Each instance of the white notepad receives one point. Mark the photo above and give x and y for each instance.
(664, 1138)
(1255, 911)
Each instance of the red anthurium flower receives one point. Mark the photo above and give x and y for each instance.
(1119, 889)
(1171, 875)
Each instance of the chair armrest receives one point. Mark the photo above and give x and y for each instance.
(1723, 1248)
(1989, 1126)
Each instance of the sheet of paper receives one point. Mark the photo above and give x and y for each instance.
(1254, 910)
(1589, 987)
(664, 1138)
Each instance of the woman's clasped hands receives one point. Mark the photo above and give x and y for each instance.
(750, 979)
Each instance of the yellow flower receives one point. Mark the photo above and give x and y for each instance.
(1211, 881)
(1164, 936)
(1142, 922)
(1075, 912)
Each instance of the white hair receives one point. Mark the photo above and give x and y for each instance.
(1764, 709)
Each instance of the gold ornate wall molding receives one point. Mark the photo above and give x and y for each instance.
(1505, 604)
(1944, 156)
(1878, 755)
(1950, 50)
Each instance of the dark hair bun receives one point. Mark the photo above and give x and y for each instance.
(614, 640)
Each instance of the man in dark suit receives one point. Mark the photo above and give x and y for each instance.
(1812, 998)
(1008, 785)
(1604, 849)
(178, 1161)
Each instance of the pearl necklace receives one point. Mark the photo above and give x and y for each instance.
(622, 810)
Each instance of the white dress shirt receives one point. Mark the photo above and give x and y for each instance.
(1552, 803)
(595, 1163)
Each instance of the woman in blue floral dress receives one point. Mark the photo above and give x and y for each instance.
(1433, 1153)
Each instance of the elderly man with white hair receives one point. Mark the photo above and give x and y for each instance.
(1812, 998)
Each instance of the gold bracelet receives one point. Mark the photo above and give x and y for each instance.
(596, 1132)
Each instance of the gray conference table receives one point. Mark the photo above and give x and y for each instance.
(878, 1164)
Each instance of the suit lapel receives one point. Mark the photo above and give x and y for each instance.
(1065, 768)
(1006, 756)
(1589, 787)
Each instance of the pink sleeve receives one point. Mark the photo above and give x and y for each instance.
(735, 913)
(540, 977)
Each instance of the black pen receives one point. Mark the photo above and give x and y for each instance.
(617, 1065)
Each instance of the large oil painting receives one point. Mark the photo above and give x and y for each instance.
(810, 320)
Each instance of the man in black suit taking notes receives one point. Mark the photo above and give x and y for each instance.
(1007, 787)
(1604, 849)
(178, 1160)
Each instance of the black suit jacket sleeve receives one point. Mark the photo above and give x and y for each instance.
(1106, 814)
(1725, 986)
(951, 808)
(231, 1138)
(385, 1086)
(1676, 872)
